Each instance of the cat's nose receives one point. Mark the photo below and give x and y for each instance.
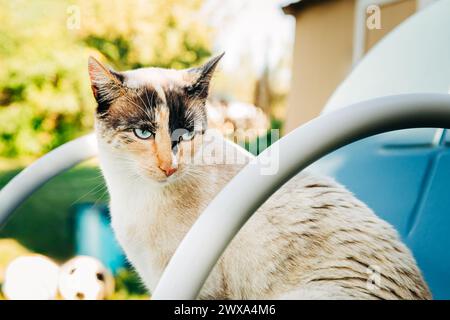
(169, 167)
(169, 171)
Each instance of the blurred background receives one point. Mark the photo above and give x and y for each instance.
(283, 61)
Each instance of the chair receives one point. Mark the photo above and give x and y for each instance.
(223, 218)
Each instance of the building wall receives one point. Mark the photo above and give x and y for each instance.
(392, 14)
(323, 51)
(322, 57)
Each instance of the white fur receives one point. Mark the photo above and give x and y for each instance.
(153, 76)
(136, 203)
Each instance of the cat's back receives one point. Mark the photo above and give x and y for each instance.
(313, 233)
(312, 239)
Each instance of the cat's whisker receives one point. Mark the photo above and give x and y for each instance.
(148, 100)
(139, 107)
(145, 107)
(94, 190)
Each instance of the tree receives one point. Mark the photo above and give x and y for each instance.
(45, 97)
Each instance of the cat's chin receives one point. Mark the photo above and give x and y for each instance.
(165, 181)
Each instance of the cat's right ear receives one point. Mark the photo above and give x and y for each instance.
(106, 84)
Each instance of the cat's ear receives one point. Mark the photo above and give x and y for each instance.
(202, 77)
(106, 83)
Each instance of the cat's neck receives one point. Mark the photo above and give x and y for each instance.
(188, 194)
(137, 190)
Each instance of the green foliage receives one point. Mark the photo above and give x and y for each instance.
(129, 286)
(43, 223)
(261, 143)
(45, 97)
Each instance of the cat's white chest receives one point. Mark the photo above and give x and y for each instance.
(134, 223)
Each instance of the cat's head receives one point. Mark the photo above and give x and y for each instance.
(151, 120)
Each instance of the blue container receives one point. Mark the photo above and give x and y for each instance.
(94, 236)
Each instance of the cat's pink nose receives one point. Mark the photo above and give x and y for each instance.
(169, 171)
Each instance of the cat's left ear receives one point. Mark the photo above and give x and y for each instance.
(202, 77)
(106, 83)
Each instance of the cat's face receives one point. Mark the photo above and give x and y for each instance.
(151, 120)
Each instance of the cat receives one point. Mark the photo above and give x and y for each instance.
(311, 240)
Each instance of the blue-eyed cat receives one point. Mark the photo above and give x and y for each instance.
(311, 240)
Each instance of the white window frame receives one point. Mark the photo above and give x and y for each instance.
(359, 30)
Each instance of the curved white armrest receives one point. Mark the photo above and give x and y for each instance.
(42, 170)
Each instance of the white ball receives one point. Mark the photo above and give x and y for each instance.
(85, 278)
(33, 277)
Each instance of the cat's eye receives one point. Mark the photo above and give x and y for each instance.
(142, 133)
(188, 135)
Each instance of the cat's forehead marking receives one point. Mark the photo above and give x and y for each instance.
(156, 77)
(158, 98)
(162, 115)
(161, 94)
